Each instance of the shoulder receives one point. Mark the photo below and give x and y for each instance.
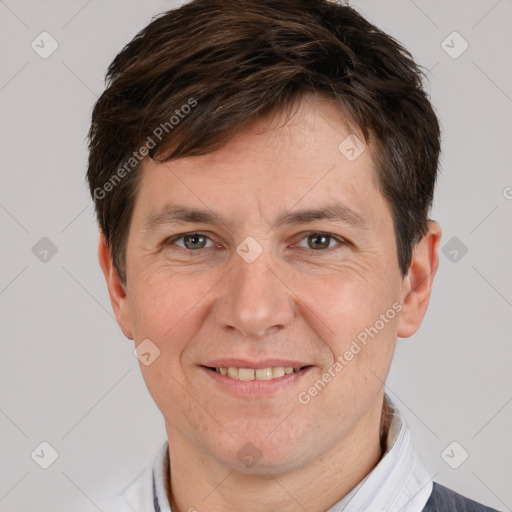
(136, 497)
(443, 499)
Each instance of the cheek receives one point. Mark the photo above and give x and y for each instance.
(165, 306)
(356, 313)
(351, 298)
(168, 309)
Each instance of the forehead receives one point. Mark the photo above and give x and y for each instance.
(308, 157)
(314, 126)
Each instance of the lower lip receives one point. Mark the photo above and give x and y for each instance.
(255, 388)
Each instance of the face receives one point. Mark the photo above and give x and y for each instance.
(275, 252)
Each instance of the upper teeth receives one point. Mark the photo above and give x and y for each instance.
(258, 374)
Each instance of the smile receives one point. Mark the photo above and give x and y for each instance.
(256, 373)
(244, 378)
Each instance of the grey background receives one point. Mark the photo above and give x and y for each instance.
(68, 376)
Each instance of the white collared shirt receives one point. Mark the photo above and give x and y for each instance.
(398, 483)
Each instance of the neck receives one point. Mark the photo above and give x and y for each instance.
(200, 482)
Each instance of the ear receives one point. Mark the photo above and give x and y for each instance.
(417, 285)
(116, 288)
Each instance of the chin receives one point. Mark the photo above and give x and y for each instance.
(262, 455)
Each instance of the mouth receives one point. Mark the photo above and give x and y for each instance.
(248, 374)
(246, 379)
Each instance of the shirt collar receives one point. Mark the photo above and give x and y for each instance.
(398, 483)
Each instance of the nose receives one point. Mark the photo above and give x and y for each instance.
(255, 300)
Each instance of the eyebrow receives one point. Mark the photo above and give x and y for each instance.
(335, 212)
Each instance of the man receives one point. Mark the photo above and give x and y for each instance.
(262, 172)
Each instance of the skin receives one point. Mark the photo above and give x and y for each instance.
(298, 299)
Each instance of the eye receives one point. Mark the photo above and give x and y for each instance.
(191, 241)
(318, 241)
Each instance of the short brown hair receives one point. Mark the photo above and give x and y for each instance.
(230, 61)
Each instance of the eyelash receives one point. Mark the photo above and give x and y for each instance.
(341, 242)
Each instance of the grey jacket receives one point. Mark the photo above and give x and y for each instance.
(443, 499)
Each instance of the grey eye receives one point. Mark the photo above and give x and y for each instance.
(193, 241)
